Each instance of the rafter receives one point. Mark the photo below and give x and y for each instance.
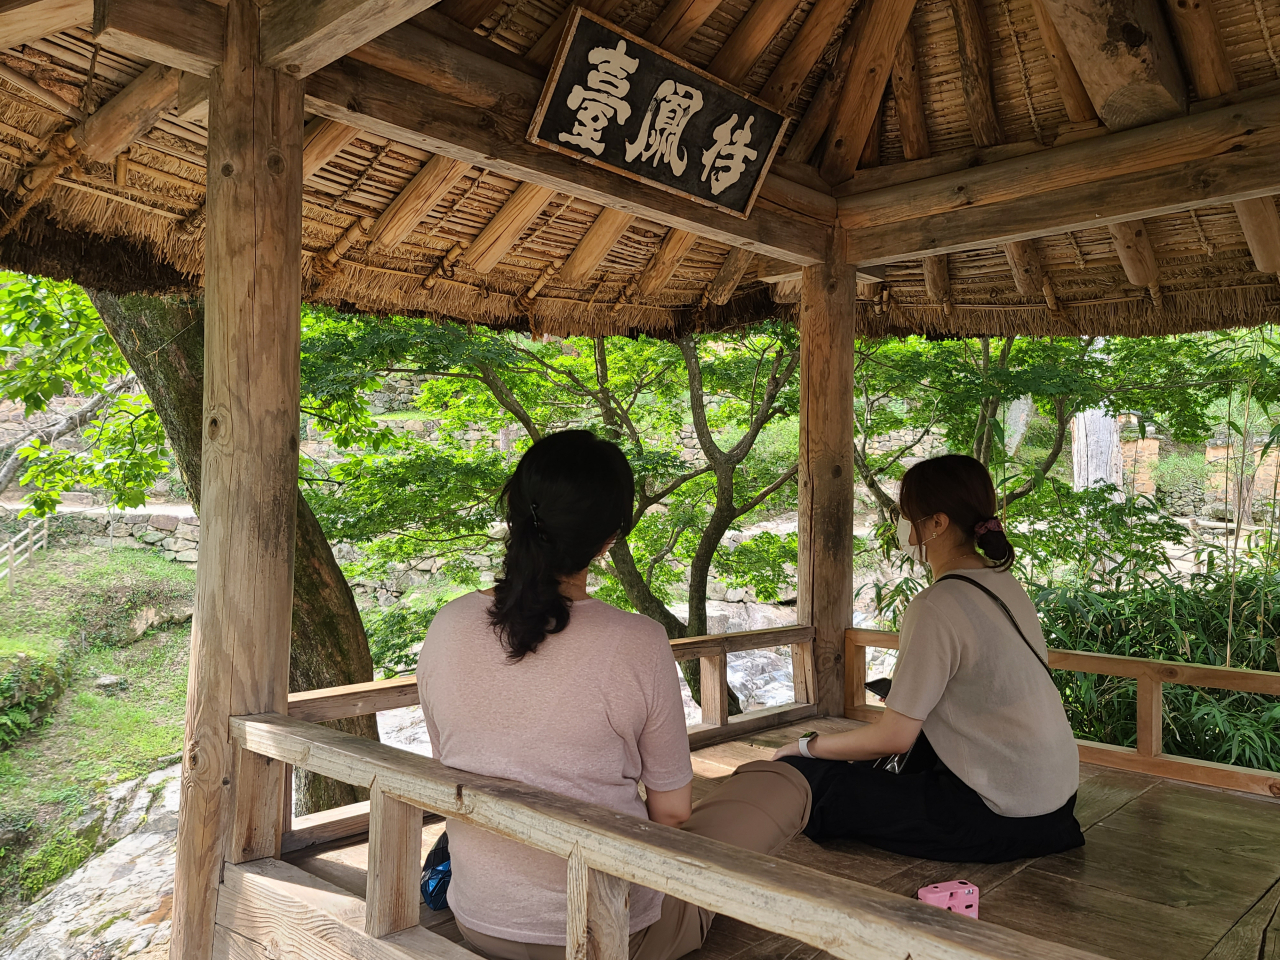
(469, 13)
(662, 265)
(912, 128)
(500, 233)
(678, 22)
(974, 52)
(1075, 98)
(594, 246)
(735, 265)
(544, 49)
(754, 32)
(803, 52)
(1261, 226)
(1223, 155)
(1126, 62)
(321, 142)
(301, 36)
(1029, 276)
(411, 206)
(817, 116)
(869, 70)
(22, 21)
(1137, 255)
(937, 281)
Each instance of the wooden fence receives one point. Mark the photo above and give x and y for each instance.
(1148, 756)
(22, 548)
(267, 902)
(712, 652)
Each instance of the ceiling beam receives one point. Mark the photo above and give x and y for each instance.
(937, 281)
(604, 232)
(1137, 256)
(869, 69)
(469, 13)
(301, 36)
(1125, 58)
(678, 22)
(817, 116)
(912, 129)
(321, 142)
(511, 220)
(1261, 226)
(22, 21)
(662, 265)
(411, 206)
(187, 34)
(416, 87)
(1219, 156)
(974, 54)
(726, 280)
(755, 31)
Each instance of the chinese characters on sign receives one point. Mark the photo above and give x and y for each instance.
(616, 101)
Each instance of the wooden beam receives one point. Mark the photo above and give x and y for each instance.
(1195, 25)
(817, 116)
(1214, 157)
(193, 98)
(715, 689)
(232, 801)
(498, 236)
(912, 128)
(678, 22)
(937, 280)
(870, 156)
(1075, 98)
(411, 206)
(594, 246)
(828, 325)
(596, 913)
(1125, 58)
(975, 71)
(1024, 261)
(322, 140)
(734, 60)
(1137, 255)
(802, 54)
(301, 36)
(187, 34)
(1261, 226)
(129, 114)
(22, 21)
(735, 265)
(1150, 717)
(878, 37)
(658, 271)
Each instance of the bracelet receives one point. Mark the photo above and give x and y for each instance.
(804, 745)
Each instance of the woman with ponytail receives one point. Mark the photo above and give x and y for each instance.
(991, 768)
(537, 681)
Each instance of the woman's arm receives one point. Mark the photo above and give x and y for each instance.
(892, 733)
(671, 807)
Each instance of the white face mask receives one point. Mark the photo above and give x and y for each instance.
(915, 551)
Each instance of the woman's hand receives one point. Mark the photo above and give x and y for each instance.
(792, 749)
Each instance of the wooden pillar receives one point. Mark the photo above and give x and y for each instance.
(828, 316)
(232, 800)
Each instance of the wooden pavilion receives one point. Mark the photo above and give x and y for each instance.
(938, 166)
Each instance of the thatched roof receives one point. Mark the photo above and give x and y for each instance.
(139, 225)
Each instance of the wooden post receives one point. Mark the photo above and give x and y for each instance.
(395, 865)
(232, 800)
(12, 565)
(715, 689)
(828, 306)
(597, 913)
(1150, 716)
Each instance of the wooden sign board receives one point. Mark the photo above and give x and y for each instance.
(618, 102)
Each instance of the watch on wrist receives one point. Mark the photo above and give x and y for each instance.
(805, 740)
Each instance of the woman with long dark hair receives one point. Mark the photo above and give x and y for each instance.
(537, 681)
(991, 769)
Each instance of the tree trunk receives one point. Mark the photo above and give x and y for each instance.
(1095, 449)
(163, 340)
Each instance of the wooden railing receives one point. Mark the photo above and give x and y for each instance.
(1148, 756)
(266, 901)
(22, 548)
(712, 651)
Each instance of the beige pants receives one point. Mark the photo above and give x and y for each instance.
(762, 807)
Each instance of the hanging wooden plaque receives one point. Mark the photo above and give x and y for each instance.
(619, 102)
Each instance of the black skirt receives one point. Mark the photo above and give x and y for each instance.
(932, 814)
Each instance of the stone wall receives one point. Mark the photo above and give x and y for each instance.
(178, 536)
(1139, 457)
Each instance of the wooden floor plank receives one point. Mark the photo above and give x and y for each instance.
(985, 876)
(847, 858)
(1098, 920)
(1107, 791)
(1248, 939)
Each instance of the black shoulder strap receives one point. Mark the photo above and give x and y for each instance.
(1007, 612)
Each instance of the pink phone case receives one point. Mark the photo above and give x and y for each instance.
(958, 896)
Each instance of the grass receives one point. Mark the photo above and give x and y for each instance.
(78, 602)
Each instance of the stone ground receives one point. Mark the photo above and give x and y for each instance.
(118, 903)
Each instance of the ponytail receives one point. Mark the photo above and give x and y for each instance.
(571, 493)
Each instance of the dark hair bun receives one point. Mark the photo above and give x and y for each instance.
(995, 546)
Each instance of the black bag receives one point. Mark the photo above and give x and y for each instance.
(921, 756)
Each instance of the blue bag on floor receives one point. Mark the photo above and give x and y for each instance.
(436, 873)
